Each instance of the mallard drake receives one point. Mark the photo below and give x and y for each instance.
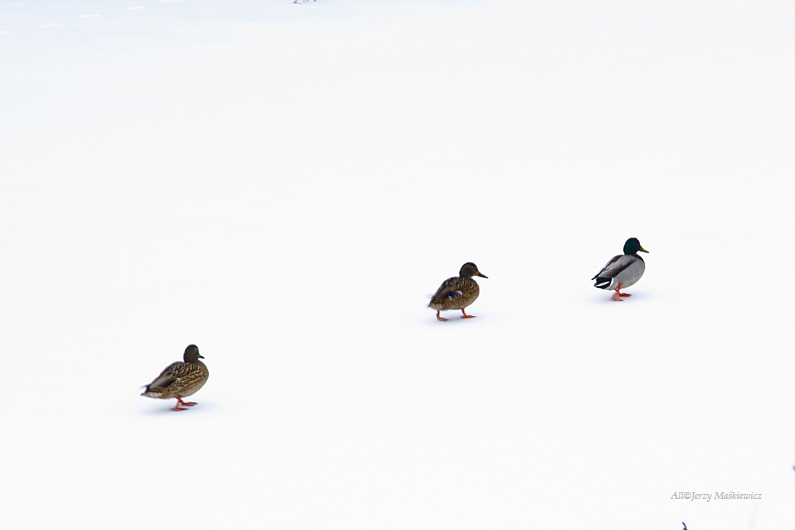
(180, 379)
(457, 292)
(622, 270)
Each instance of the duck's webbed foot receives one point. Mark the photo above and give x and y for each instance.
(618, 294)
(180, 402)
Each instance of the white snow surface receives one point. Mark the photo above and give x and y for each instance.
(284, 185)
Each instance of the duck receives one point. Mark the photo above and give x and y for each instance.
(180, 379)
(457, 292)
(623, 270)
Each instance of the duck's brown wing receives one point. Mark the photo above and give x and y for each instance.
(166, 377)
(447, 291)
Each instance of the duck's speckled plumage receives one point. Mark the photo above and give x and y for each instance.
(180, 379)
(457, 292)
(623, 270)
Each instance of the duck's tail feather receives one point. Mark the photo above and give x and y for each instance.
(148, 391)
(602, 283)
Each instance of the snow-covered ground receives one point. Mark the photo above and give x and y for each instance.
(284, 185)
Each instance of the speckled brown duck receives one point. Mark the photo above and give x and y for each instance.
(180, 379)
(457, 292)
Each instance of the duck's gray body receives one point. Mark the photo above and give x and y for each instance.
(624, 270)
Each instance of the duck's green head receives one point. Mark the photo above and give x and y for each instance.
(192, 354)
(469, 269)
(632, 246)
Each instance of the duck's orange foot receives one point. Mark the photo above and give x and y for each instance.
(180, 402)
(616, 296)
(439, 317)
(624, 294)
(467, 316)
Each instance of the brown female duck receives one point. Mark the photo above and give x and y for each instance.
(457, 292)
(180, 379)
